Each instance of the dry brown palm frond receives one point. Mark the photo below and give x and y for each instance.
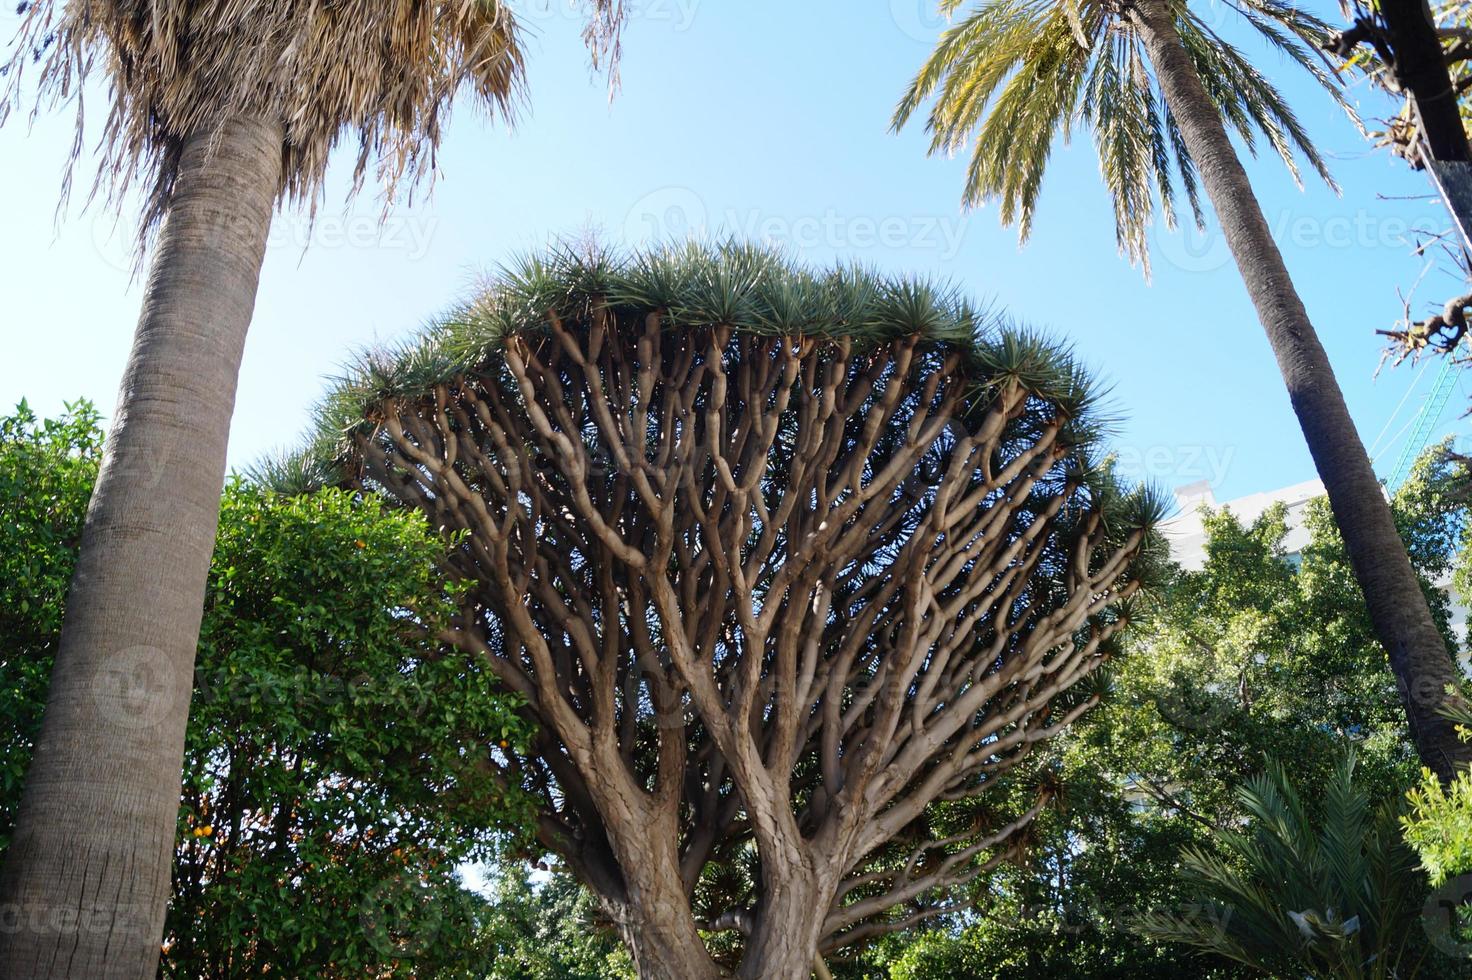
(381, 71)
(603, 33)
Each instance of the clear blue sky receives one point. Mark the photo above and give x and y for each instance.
(767, 119)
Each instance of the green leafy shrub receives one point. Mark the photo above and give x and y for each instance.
(1439, 826)
(47, 468)
(337, 759)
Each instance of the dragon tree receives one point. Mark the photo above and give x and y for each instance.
(789, 568)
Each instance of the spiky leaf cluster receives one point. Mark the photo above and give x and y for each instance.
(1327, 894)
(749, 288)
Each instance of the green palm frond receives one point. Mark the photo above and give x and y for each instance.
(1012, 78)
(1347, 817)
(1331, 892)
(1264, 108)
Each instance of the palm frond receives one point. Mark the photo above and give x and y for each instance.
(1292, 894)
(382, 73)
(1119, 105)
(1011, 78)
(1262, 107)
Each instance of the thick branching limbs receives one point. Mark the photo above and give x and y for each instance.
(769, 596)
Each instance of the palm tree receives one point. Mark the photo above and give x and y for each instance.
(1159, 87)
(1290, 895)
(223, 108)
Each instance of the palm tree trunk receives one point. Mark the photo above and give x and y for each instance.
(86, 879)
(1418, 655)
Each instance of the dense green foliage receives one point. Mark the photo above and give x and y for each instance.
(330, 789)
(335, 771)
(335, 759)
(1439, 824)
(548, 930)
(47, 468)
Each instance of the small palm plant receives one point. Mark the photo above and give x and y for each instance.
(1163, 92)
(1337, 896)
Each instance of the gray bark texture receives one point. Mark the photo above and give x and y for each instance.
(85, 883)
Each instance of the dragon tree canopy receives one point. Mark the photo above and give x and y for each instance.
(748, 289)
(778, 559)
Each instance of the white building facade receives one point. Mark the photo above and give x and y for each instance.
(1187, 537)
